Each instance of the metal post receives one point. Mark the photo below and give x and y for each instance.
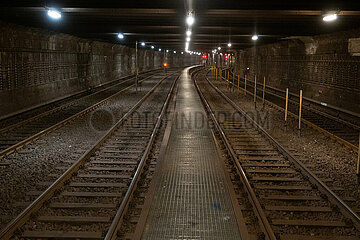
(136, 65)
(255, 92)
(239, 82)
(301, 93)
(216, 73)
(164, 61)
(233, 79)
(245, 85)
(228, 79)
(286, 105)
(263, 97)
(358, 163)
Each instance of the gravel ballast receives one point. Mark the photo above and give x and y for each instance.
(38, 161)
(329, 158)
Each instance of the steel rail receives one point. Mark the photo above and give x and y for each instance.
(308, 123)
(10, 127)
(108, 83)
(117, 221)
(311, 101)
(8, 231)
(63, 122)
(332, 197)
(264, 223)
(324, 114)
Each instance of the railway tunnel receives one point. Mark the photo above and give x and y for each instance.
(180, 120)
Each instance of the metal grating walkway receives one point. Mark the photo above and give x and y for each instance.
(192, 200)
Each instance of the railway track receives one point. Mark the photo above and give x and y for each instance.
(8, 120)
(334, 124)
(89, 200)
(289, 200)
(17, 135)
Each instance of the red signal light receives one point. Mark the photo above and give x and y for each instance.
(204, 56)
(226, 57)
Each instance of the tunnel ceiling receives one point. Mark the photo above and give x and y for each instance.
(162, 23)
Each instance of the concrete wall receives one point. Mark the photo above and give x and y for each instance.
(39, 66)
(321, 65)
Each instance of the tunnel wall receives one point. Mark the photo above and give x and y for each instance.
(38, 66)
(321, 65)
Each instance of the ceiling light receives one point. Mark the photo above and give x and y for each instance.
(188, 39)
(330, 17)
(190, 20)
(53, 13)
(120, 35)
(229, 44)
(159, 49)
(182, 52)
(188, 33)
(174, 51)
(142, 44)
(255, 37)
(152, 47)
(167, 50)
(219, 48)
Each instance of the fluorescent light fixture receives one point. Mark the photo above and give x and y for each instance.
(229, 45)
(142, 44)
(190, 20)
(188, 33)
(54, 14)
(120, 35)
(255, 37)
(152, 47)
(188, 39)
(330, 17)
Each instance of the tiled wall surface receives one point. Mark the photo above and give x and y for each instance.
(322, 66)
(37, 66)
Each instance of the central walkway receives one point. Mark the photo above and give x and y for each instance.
(192, 200)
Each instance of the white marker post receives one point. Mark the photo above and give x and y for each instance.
(255, 92)
(358, 163)
(301, 93)
(263, 97)
(245, 85)
(286, 105)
